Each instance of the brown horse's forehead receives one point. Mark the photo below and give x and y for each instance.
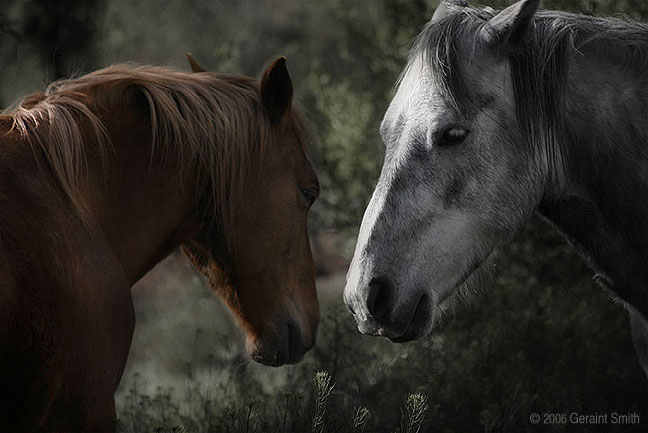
(292, 146)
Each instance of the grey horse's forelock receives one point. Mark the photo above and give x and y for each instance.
(539, 68)
(439, 45)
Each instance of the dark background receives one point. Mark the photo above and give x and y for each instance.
(542, 339)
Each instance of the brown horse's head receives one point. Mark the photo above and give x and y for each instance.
(261, 262)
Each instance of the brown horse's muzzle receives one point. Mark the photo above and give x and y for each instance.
(283, 341)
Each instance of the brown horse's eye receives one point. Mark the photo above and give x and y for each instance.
(309, 195)
(453, 136)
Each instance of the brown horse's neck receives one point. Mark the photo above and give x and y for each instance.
(142, 205)
(600, 204)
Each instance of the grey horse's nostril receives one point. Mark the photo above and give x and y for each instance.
(380, 298)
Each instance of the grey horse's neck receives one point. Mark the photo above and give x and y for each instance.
(600, 203)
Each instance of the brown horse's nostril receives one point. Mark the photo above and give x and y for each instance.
(380, 298)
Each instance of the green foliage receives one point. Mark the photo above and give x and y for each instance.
(361, 419)
(142, 413)
(347, 102)
(413, 413)
(349, 147)
(543, 339)
(324, 387)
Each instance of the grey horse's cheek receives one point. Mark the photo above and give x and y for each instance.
(453, 191)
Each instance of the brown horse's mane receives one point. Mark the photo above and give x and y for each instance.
(212, 124)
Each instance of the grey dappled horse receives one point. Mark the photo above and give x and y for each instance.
(498, 116)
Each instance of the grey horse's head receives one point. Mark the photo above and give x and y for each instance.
(458, 177)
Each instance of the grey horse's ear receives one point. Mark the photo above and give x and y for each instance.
(512, 25)
(445, 8)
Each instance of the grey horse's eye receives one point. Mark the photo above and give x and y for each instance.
(453, 136)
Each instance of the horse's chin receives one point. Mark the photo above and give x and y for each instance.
(472, 281)
(273, 355)
(431, 308)
(412, 334)
(421, 323)
(281, 344)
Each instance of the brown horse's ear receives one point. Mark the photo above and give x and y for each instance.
(512, 25)
(277, 90)
(445, 9)
(195, 67)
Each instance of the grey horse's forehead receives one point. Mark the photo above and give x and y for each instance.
(418, 103)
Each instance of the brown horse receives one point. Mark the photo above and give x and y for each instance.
(103, 176)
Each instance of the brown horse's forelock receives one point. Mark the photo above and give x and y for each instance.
(539, 68)
(214, 125)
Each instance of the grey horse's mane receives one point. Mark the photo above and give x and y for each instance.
(539, 69)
